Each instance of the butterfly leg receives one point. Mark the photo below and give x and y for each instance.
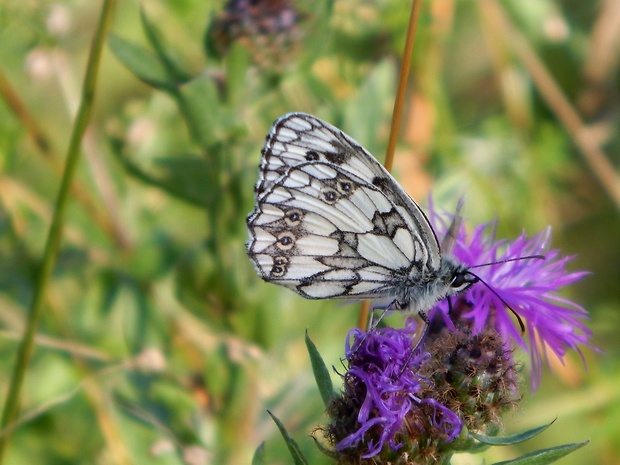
(394, 305)
(450, 311)
(418, 343)
(422, 337)
(426, 322)
(424, 317)
(372, 324)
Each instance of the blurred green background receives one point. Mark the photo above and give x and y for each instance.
(159, 344)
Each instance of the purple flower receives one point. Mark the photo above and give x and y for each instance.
(529, 287)
(381, 388)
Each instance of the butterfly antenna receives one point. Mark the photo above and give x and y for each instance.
(521, 325)
(508, 260)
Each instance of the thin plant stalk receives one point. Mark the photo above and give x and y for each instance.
(589, 147)
(55, 232)
(403, 79)
(19, 109)
(397, 114)
(21, 112)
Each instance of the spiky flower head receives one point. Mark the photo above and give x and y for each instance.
(474, 375)
(403, 404)
(269, 29)
(529, 287)
(380, 416)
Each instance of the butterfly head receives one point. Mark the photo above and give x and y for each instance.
(456, 277)
(451, 278)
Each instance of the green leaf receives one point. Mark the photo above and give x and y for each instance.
(259, 455)
(203, 113)
(512, 439)
(182, 176)
(142, 63)
(173, 69)
(321, 373)
(544, 456)
(293, 448)
(185, 176)
(237, 62)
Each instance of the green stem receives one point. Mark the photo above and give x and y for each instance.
(55, 232)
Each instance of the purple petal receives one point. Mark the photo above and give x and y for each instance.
(529, 287)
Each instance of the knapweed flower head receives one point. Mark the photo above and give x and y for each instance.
(474, 375)
(268, 29)
(380, 411)
(528, 287)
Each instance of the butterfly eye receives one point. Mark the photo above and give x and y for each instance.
(463, 279)
(286, 240)
(458, 281)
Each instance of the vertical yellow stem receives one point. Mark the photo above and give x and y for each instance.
(397, 114)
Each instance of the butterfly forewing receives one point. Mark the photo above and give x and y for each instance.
(329, 220)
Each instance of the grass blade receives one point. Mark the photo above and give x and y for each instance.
(293, 448)
(321, 373)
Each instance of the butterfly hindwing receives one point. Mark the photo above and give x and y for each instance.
(322, 227)
(331, 222)
(319, 236)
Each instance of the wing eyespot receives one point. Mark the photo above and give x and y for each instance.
(293, 217)
(279, 268)
(330, 195)
(277, 272)
(285, 240)
(312, 155)
(345, 187)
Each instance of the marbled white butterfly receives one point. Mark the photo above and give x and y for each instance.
(331, 222)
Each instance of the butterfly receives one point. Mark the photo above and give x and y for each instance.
(331, 222)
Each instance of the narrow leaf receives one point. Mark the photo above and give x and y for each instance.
(512, 439)
(259, 455)
(169, 174)
(204, 115)
(293, 448)
(173, 69)
(544, 456)
(321, 373)
(142, 63)
(238, 61)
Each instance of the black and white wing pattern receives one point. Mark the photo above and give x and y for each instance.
(331, 222)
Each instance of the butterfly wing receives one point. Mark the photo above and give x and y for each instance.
(330, 221)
